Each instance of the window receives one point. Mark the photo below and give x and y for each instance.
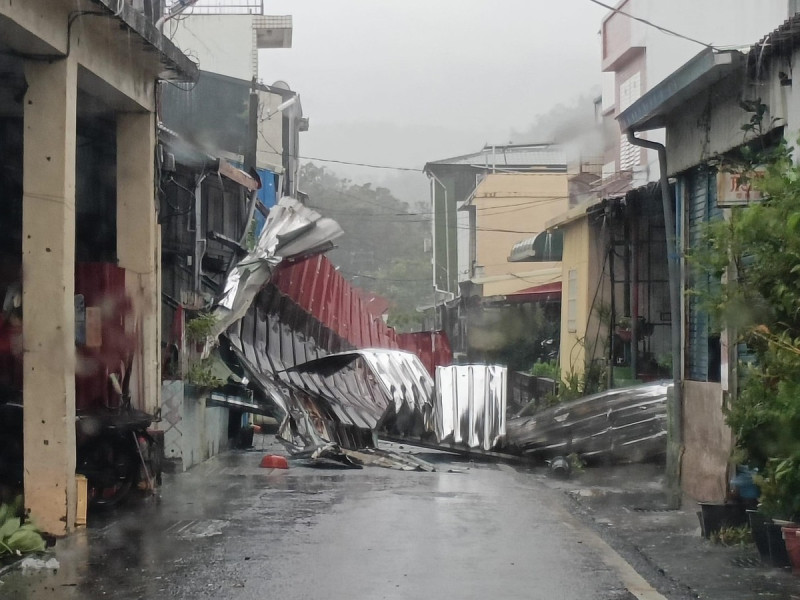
(629, 91)
(572, 301)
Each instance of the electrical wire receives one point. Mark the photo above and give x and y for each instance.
(382, 278)
(340, 162)
(359, 164)
(651, 24)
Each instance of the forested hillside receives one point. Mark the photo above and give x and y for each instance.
(382, 250)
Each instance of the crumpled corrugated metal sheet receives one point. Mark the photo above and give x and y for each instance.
(291, 230)
(623, 425)
(470, 407)
(360, 391)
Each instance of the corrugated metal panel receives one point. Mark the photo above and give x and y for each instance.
(623, 424)
(319, 289)
(363, 390)
(702, 210)
(470, 406)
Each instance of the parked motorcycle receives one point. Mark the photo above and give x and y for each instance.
(114, 449)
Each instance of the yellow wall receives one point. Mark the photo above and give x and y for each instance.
(515, 202)
(584, 251)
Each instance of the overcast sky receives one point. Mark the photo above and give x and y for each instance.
(402, 82)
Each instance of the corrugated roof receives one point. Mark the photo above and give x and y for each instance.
(517, 155)
(785, 38)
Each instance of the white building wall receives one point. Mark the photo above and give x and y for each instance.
(721, 23)
(223, 44)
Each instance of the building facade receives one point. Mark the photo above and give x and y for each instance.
(79, 189)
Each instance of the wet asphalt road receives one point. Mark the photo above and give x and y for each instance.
(228, 529)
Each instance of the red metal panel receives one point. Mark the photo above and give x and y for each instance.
(296, 280)
(103, 287)
(343, 309)
(305, 284)
(365, 319)
(432, 348)
(316, 284)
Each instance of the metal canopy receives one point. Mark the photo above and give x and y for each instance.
(546, 246)
(652, 110)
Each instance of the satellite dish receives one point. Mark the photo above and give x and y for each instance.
(281, 85)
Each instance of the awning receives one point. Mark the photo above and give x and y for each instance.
(546, 246)
(537, 293)
(652, 110)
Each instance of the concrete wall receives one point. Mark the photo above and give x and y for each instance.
(223, 44)
(708, 442)
(718, 22)
(193, 431)
(115, 72)
(270, 133)
(506, 203)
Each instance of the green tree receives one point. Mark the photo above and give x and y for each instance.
(382, 250)
(758, 249)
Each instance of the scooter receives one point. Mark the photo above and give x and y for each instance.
(114, 450)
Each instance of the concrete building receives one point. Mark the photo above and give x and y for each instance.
(636, 57)
(78, 108)
(229, 115)
(510, 208)
(225, 37)
(699, 107)
(453, 183)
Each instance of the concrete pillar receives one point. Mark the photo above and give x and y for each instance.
(48, 270)
(138, 249)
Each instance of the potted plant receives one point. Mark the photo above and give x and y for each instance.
(780, 500)
(199, 328)
(623, 329)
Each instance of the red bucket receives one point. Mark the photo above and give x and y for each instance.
(273, 461)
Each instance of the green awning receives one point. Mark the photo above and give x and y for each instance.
(547, 246)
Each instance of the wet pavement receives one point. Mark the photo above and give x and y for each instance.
(628, 507)
(228, 529)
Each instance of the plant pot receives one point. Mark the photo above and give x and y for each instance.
(758, 526)
(777, 547)
(791, 537)
(715, 516)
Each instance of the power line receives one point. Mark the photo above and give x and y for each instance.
(497, 210)
(340, 162)
(651, 24)
(358, 164)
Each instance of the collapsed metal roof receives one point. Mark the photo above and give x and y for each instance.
(624, 424)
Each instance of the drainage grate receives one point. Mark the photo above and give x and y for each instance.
(655, 509)
(746, 562)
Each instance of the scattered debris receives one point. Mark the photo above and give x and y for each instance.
(560, 467)
(389, 459)
(32, 564)
(342, 400)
